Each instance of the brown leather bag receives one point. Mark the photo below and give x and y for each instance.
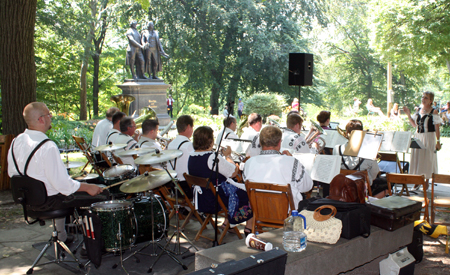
(350, 188)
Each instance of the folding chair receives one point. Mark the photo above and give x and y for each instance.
(349, 172)
(439, 201)
(223, 211)
(405, 179)
(86, 149)
(271, 204)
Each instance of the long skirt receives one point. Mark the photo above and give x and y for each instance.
(424, 161)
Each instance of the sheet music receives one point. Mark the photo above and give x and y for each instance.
(333, 138)
(386, 144)
(401, 142)
(370, 146)
(322, 168)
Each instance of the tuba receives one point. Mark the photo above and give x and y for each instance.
(313, 134)
(146, 113)
(123, 102)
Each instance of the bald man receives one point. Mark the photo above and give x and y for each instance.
(47, 166)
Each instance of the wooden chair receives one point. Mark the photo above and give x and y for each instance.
(5, 143)
(86, 149)
(349, 172)
(205, 183)
(271, 204)
(405, 179)
(439, 201)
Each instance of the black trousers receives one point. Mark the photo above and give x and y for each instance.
(77, 199)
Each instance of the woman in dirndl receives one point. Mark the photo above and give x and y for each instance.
(426, 120)
(200, 164)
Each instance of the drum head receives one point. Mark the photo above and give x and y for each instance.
(117, 171)
(111, 205)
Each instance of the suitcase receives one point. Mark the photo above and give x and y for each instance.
(394, 212)
(355, 216)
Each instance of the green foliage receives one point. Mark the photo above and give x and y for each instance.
(63, 129)
(265, 104)
(194, 109)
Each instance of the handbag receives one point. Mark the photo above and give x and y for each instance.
(350, 188)
(355, 217)
(322, 228)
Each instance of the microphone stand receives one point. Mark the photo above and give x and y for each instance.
(215, 169)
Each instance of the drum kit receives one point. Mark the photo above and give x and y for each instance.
(127, 222)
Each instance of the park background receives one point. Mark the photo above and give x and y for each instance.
(221, 51)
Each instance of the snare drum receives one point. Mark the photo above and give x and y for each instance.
(116, 174)
(112, 214)
(143, 214)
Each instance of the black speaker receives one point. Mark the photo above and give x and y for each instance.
(301, 69)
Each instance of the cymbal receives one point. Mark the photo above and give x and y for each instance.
(73, 164)
(155, 158)
(85, 177)
(109, 147)
(147, 181)
(135, 151)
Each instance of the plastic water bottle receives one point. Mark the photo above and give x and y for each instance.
(294, 240)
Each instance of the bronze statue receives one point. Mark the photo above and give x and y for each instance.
(153, 51)
(134, 50)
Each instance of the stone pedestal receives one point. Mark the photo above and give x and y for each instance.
(148, 93)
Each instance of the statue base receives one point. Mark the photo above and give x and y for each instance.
(148, 93)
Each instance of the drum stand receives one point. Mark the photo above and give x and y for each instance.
(177, 232)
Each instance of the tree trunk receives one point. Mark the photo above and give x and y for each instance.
(17, 67)
(95, 86)
(83, 90)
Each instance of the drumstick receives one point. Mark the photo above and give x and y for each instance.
(92, 228)
(112, 185)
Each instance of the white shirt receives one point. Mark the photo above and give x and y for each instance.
(249, 133)
(100, 132)
(367, 164)
(272, 167)
(255, 147)
(112, 135)
(145, 142)
(181, 164)
(228, 134)
(46, 164)
(130, 142)
(295, 142)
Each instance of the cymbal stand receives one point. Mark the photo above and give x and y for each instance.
(177, 232)
(119, 237)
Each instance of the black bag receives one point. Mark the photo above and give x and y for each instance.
(355, 216)
(416, 246)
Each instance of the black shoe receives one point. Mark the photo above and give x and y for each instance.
(69, 239)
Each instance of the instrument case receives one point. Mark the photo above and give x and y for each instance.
(394, 212)
(355, 216)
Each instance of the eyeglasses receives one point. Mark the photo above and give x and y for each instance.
(47, 115)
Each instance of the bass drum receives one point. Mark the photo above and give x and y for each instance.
(143, 215)
(112, 215)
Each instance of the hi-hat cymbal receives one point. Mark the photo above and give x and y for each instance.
(147, 181)
(110, 147)
(73, 164)
(135, 151)
(154, 158)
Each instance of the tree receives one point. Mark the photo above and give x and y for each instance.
(17, 67)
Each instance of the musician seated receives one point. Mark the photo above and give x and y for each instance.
(324, 119)
(200, 164)
(127, 131)
(378, 185)
(252, 133)
(271, 166)
(149, 134)
(230, 125)
(113, 134)
(292, 140)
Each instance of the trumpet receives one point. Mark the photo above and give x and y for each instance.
(313, 134)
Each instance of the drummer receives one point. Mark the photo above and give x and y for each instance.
(149, 134)
(127, 130)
